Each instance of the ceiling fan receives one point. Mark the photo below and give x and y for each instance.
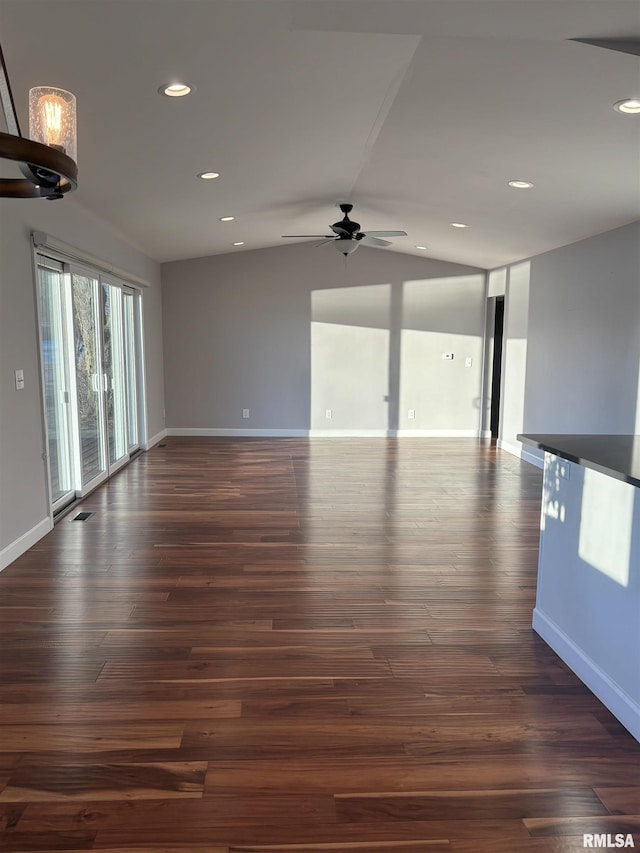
(347, 235)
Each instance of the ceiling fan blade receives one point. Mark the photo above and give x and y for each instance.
(338, 230)
(367, 240)
(386, 233)
(309, 235)
(324, 242)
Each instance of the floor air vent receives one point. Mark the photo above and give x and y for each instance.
(83, 516)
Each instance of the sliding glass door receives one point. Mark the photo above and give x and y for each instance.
(90, 345)
(87, 346)
(131, 371)
(102, 390)
(54, 335)
(113, 355)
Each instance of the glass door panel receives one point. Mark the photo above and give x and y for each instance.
(89, 376)
(114, 373)
(90, 342)
(55, 375)
(131, 381)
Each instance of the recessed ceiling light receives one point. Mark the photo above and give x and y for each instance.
(521, 185)
(423, 248)
(176, 90)
(209, 176)
(227, 218)
(239, 243)
(631, 106)
(459, 225)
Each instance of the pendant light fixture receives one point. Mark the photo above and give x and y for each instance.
(47, 158)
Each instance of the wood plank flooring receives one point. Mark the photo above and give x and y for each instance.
(291, 645)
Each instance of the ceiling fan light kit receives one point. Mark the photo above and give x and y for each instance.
(345, 247)
(347, 235)
(48, 159)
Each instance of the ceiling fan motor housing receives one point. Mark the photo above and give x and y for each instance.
(346, 226)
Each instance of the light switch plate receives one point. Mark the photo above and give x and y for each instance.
(19, 380)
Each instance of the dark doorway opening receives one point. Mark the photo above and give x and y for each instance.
(496, 376)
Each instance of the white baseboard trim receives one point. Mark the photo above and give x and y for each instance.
(323, 433)
(530, 457)
(150, 442)
(437, 433)
(24, 542)
(621, 705)
(521, 452)
(513, 449)
(349, 433)
(240, 433)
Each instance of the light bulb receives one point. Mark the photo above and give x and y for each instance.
(52, 119)
(51, 108)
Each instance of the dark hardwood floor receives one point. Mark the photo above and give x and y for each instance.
(291, 645)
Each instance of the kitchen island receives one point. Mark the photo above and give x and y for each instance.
(588, 592)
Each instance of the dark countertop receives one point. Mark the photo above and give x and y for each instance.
(615, 455)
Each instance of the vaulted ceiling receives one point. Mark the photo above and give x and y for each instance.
(418, 112)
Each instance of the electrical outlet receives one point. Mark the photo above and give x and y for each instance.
(411, 414)
(245, 413)
(328, 414)
(468, 362)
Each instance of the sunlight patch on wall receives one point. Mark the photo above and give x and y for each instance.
(514, 353)
(350, 358)
(606, 524)
(556, 469)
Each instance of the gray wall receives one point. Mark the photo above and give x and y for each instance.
(23, 499)
(514, 355)
(292, 331)
(583, 342)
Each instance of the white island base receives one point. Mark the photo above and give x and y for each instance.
(588, 592)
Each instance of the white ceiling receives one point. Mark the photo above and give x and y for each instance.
(418, 112)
